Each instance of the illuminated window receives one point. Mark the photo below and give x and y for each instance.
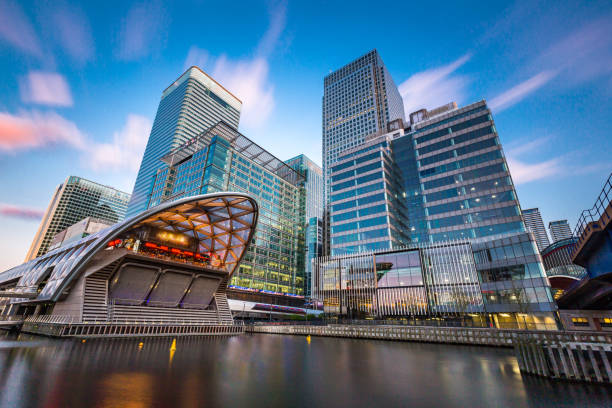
(606, 322)
(580, 321)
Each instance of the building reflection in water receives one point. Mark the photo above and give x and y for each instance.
(268, 371)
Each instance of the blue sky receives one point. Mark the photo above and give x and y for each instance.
(81, 84)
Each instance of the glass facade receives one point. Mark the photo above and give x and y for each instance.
(192, 104)
(445, 176)
(313, 195)
(498, 279)
(73, 201)
(367, 210)
(222, 159)
(359, 99)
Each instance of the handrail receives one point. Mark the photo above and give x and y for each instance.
(590, 218)
(60, 319)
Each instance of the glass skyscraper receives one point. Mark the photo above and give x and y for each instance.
(442, 177)
(358, 99)
(74, 200)
(314, 206)
(534, 223)
(222, 159)
(190, 105)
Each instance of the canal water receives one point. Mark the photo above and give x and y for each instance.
(259, 370)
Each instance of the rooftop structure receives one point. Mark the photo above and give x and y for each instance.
(559, 230)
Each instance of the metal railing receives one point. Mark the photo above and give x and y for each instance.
(59, 319)
(412, 323)
(589, 219)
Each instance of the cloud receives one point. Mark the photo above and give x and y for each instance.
(13, 211)
(142, 30)
(28, 130)
(248, 78)
(278, 17)
(517, 93)
(126, 149)
(45, 88)
(523, 173)
(584, 54)
(15, 28)
(567, 165)
(74, 33)
(434, 87)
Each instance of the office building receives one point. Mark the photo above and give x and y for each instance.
(493, 281)
(189, 106)
(313, 185)
(559, 230)
(441, 177)
(534, 223)
(222, 159)
(74, 200)
(358, 99)
(81, 229)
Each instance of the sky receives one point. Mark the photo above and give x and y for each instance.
(81, 84)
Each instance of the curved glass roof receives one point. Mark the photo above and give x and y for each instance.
(221, 223)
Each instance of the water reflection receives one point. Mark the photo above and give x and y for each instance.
(269, 371)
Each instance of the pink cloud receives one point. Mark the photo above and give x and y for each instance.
(15, 28)
(34, 129)
(45, 88)
(13, 211)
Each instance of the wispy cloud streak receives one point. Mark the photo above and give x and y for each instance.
(126, 149)
(45, 88)
(517, 93)
(434, 87)
(142, 30)
(16, 29)
(24, 213)
(248, 78)
(74, 33)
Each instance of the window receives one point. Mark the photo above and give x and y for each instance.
(605, 322)
(580, 321)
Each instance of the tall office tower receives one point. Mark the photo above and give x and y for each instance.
(74, 200)
(358, 99)
(192, 104)
(222, 159)
(366, 204)
(313, 185)
(534, 223)
(559, 230)
(444, 177)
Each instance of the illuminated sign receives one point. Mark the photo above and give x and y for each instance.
(173, 237)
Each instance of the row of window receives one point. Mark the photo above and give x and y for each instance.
(505, 252)
(359, 225)
(478, 232)
(357, 181)
(359, 236)
(483, 144)
(361, 212)
(465, 176)
(454, 128)
(513, 272)
(359, 202)
(459, 164)
(358, 191)
(468, 189)
(473, 202)
(452, 118)
(475, 134)
(479, 216)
